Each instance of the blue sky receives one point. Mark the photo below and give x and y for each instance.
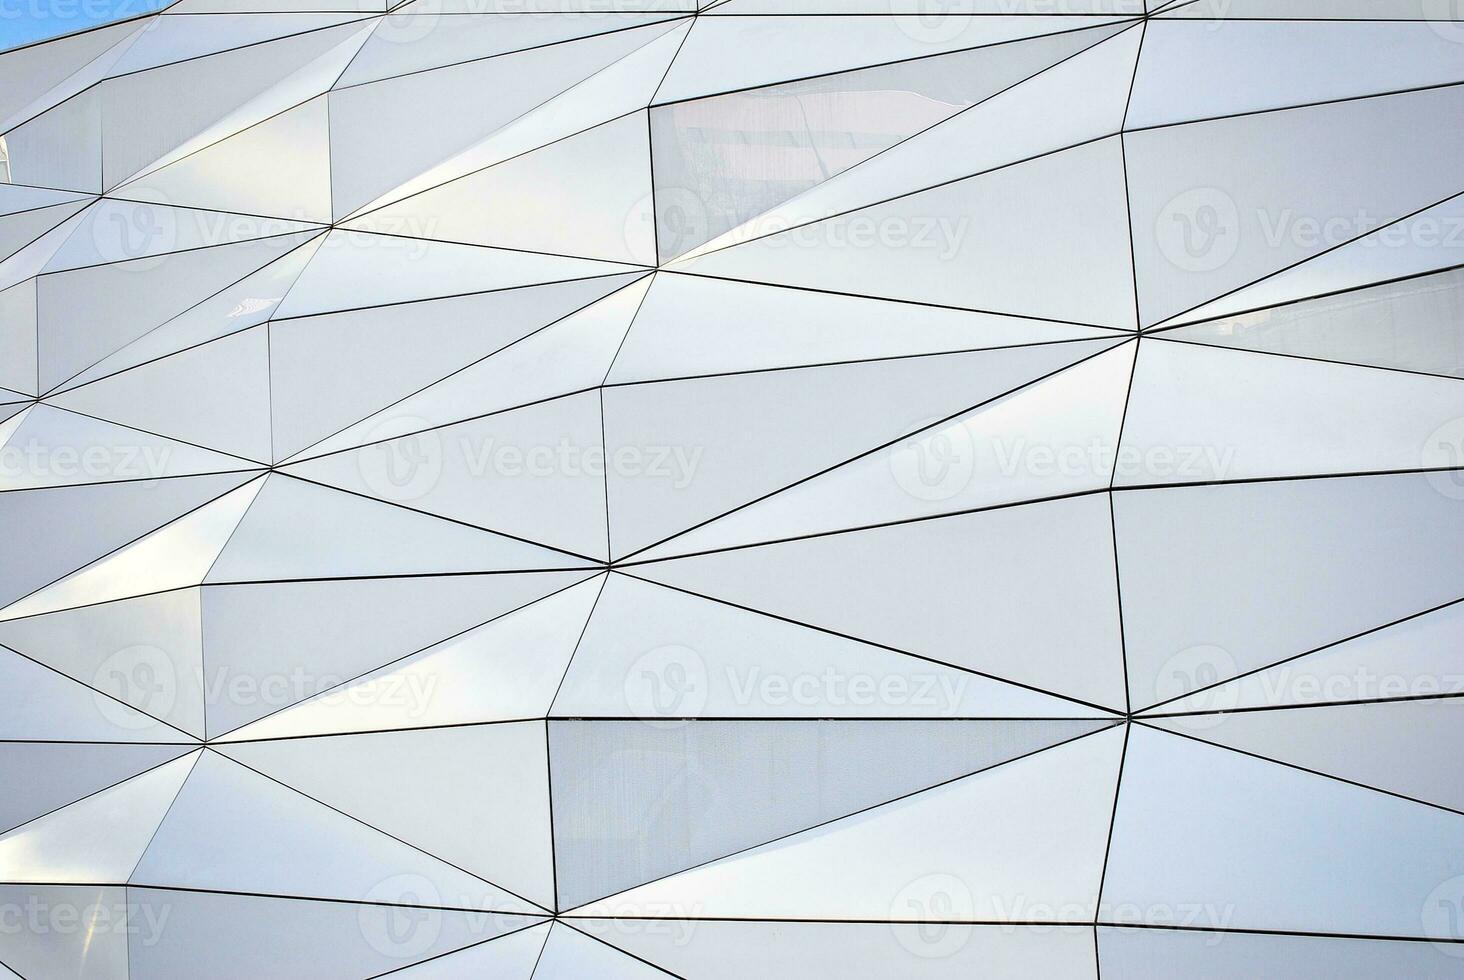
(28, 21)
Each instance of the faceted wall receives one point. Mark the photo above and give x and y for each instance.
(798, 489)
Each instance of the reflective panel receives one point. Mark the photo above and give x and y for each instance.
(559, 489)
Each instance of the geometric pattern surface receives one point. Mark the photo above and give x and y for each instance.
(793, 488)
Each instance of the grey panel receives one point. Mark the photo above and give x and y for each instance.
(98, 518)
(74, 931)
(722, 160)
(1402, 747)
(732, 488)
(1033, 584)
(57, 773)
(269, 645)
(182, 935)
(1154, 954)
(1226, 840)
(637, 800)
(1205, 583)
(329, 371)
(85, 314)
(1412, 325)
(705, 950)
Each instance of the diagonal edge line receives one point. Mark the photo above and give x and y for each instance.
(1160, 329)
(663, 17)
(183, 749)
(1300, 768)
(1112, 824)
(548, 744)
(390, 663)
(1115, 335)
(472, 945)
(250, 465)
(346, 223)
(1108, 20)
(198, 754)
(130, 541)
(193, 890)
(1303, 705)
(1076, 924)
(192, 739)
(301, 457)
(1109, 345)
(1306, 653)
(7, 255)
(1006, 505)
(953, 180)
(359, 211)
(1407, 372)
(1167, 322)
(440, 517)
(1124, 332)
(1116, 715)
(1317, 104)
(622, 952)
(1100, 729)
(378, 830)
(61, 389)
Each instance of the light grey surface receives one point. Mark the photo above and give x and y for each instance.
(788, 489)
(1360, 553)
(191, 934)
(1408, 325)
(1057, 630)
(736, 438)
(864, 951)
(1245, 838)
(258, 637)
(635, 801)
(1151, 954)
(57, 773)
